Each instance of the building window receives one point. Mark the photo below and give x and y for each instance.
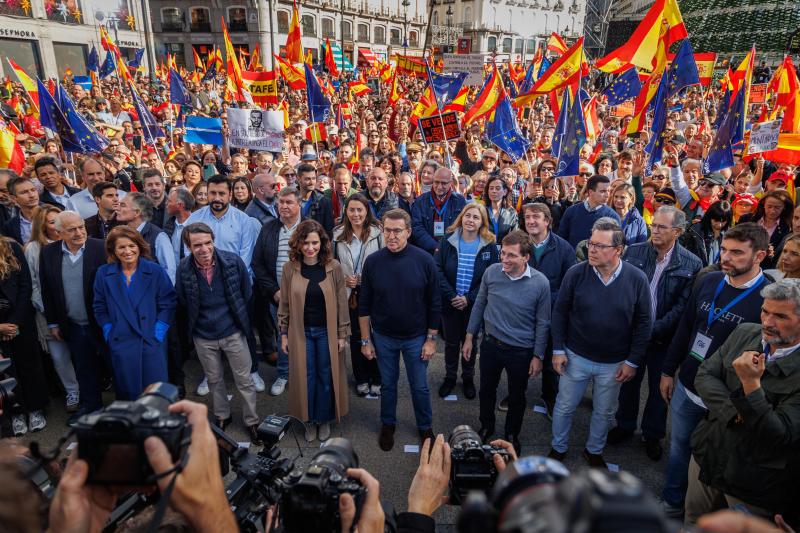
(413, 39)
(237, 19)
(467, 15)
(347, 30)
(531, 46)
(309, 25)
(518, 46)
(363, 33)
(60, 11)
(507, 45)
(24, 53)
(200, 19)
(380, 35)
(328, 29)
(283, 22)
(394, 37)
(492, 43)
(70, 57)
(171, 19)
(176, 51)
(204, 51)
(435, 21)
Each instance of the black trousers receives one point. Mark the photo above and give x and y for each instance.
(654, 418)
(454, 329)
(516, 362)
(549, 376)
(178, 347)
(26, 356)
(364, 370)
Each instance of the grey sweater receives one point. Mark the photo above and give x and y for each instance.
(516, 312)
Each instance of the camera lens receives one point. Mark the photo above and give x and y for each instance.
(463, 435)
(7, 394)
(159, 396)
(338, 454)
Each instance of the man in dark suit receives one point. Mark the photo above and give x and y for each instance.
(49, 171)
(155, 189)
(7, 209)
(67, 270)
(26, 196)
(106, 195)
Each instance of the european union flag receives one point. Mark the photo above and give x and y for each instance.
(177, 90)
(530, 79)
(150, 128)
(52, 118)
(543, 68)
(626, 86)
(93, 64)
(136, 62)
(88, 137)
(504, 132)
(211, 72)
(319, 107)
(720, 155)
(446, 86)
(108, 67)
(203, 130)
(571, 136)
(83, 81)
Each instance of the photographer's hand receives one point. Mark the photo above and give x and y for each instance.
(78, 507)
(372, 517)
(499, 463)
(198, 493)
(427, 492)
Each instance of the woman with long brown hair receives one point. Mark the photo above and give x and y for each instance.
(314, 323)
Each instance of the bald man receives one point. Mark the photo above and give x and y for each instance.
(433, 212)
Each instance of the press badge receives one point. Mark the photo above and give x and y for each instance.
(700, 346)
(438, 228)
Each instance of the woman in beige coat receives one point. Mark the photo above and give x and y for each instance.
(315, 324)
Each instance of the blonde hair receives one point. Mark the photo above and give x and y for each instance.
(484, 232)
(8, 260)
(38, 231)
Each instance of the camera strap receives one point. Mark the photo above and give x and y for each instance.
(163, 503)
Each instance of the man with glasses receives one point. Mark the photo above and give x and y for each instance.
(515, 184)
(671, 270)
(413, 161)
(578, 219)
(433, 212)
(601, 324)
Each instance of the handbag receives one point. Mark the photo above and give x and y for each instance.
(352, 301)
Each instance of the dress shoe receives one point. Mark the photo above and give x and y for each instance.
(386, 437)
(513, 439)
(425, 434)
(503, 406)
(252, 431)
(485, 434)
(447, 387)
(469, 389)
(618, 435)
(222, 423)
(595, 460)
(653, 449)
(558, 456)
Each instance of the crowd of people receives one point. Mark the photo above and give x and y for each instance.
(118, 267)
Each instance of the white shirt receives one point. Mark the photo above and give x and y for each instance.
(778, 353)
(72, 257)
(525, 274)
(83, 202)
(614, 276)
(176, 241)
(165, 255)
(660, 266)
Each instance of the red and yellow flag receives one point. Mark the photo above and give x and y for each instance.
(255, 59)
(122, 71)
(262, 87)
(591, 119)
(567, 71)
(358, 88)
(27, 83)
(487, 101)
(330, 62)
(294, 45)
(648, 92)
(640, 50)
(295, 78)
(240, 92)
(459, 103)
(11, 154)
(394, 93)
(198, 62)
(556, 44)
(108, 43)
(425, 107)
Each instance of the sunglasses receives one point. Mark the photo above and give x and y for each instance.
(585, 174)
(548, 169)
(488, 158)
(507, 161)
(705, 183)
(665, 201)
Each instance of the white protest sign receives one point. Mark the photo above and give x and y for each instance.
(256, 129)
(764, 137)
(470, 63)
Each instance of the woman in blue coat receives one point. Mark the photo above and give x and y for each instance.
(134, 302)
(623, 199)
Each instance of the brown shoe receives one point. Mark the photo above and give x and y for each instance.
(595, 460)
(426, 434)
(386, 438)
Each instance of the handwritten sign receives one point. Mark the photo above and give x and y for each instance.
(432, 131)
(470, 63)
(256, 129)
(758, 93)
(764, 137)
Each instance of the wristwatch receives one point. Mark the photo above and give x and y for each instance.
(431, 336)
(364, 342)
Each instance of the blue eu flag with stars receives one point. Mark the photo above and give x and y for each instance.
(446, 86)
(108, 67)
(720, 155)
(504, 132)
(570, 137)
(319, 107)
(177, 90)
(150, 128)
(53, 119)
(88, 137)
(626, 86)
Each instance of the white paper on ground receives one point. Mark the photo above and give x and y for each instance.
(612, 467)
(451, 398)
(539, 409)
(411, 448)
(371, 397)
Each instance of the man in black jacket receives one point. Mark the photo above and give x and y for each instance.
(313, 204)
(106, 195)
(56, 192)
(26, 196)
(380, 198)
(671, 270)
(67, 269)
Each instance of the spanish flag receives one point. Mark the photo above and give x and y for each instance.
(565, 72)
(295, 78)
(640, 49)
(30, 86)
(11, 154)
(459, 102)
(234, 71)
(385, 71)
(488, 99)
(425, 107)
(255, 59)
(591, 120)
(556, 44)
(122, 71)
(357, 88)
(648, 92)
(316, 132)
(330, 62)
(294, 45)
(394, 93)
(108, 43)
(198, 62)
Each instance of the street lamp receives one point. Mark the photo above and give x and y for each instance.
(405, 5)
(449, 21)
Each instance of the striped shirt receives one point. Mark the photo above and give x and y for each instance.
(660, 266)
(283, 248)
(466, 264)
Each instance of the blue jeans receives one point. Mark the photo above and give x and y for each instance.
(685, 416)
(318, 375)
(571, 387)
(283, 358)
(388, 351)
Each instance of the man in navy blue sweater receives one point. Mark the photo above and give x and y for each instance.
(601, 324)
(401, 301)
(720, 302)
(577, 222)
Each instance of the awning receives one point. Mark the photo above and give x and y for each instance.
(367, 54)
(340, 59)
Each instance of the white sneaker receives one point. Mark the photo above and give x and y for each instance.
(311, 431)
(18, 425)
(36, 421)
(375, 390)
(73, 402)
(202, 388)
(258, 382)
(362, 389)
(324, 431)
(278, 387)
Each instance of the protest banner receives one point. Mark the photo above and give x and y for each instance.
(758, 93)
(469, 63)
(262, 86)
(432, 131)
(764, 137)
(624, 109)
(256, 129)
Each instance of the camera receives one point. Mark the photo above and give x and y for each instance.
(472, 463)
(7, 386)
(111, 440)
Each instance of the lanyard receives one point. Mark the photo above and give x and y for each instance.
(495, 222)
(440, 212)
(712, 316)
(306, 206)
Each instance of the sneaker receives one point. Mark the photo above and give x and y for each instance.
(595, 460)
(674, 512)
(258, 382)
(503, 404)
(278, 387)
(375, 390)
(36, 421)
(73, 402)
(18, 425)
(324, 431)
(202, 388)
(362, 389)
(311, 432)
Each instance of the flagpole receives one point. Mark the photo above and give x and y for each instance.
(441, 120)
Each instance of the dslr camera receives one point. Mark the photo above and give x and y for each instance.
(472, 463)
(111, 440)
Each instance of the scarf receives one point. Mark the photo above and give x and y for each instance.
(439, 203)
(703, 203)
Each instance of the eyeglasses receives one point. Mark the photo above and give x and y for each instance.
(394, 231)
(665, 201)
(549, 169)
(661, 227)
(489, 158)
(507, 161)
(290, 175)
(659, 177)
(585, 174)
(598, 245)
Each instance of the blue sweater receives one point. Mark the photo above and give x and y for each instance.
(400, 292)
(605, 324)
(576, 224)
